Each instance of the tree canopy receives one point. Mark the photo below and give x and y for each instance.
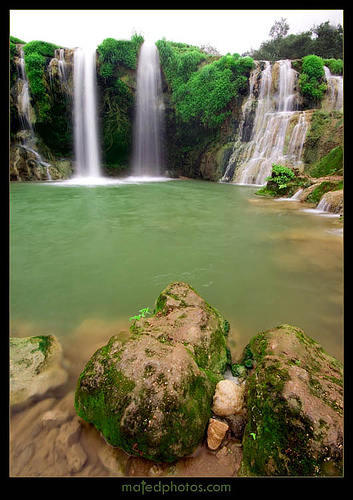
(323, 40)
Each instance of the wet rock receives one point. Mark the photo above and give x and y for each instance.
(151, 394)
(215, 433)
(54, 418)
(294, 398)
(228, 398)
(69, 435)
(35, 368)
(237, 423)
(76, 458)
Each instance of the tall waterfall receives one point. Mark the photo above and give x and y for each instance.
(86, 140)
(278, 132)
(146, 159)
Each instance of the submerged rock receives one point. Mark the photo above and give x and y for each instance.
(35, 368)
(294, 397)
(151, 394)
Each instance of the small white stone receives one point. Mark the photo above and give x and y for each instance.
(228, 398)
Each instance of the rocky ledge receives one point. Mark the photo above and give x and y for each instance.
(35, 368)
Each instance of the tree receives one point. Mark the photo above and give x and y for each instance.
(279, 29)
(329, 40)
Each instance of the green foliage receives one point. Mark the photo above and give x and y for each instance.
(143, 312)
(334, 65)
(45, 49)
(311, 82)
(320, 190)
(36, 54)
(35, 69)
(13, 39)
(323, 40)
(330, 164)
(281, 175)
(123, 52)
(201, 93)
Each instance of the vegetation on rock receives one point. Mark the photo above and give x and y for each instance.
(294, 397)
(202, 92)
(117, 62)
(151, 394)
(311, 80)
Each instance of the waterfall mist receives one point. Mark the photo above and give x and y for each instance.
(146, 159)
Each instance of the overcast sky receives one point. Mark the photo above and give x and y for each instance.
(226, 30)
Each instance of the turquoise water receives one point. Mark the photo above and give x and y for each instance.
(96, 255)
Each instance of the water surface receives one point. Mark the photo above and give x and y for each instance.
(95, 255)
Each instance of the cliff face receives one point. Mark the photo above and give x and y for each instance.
(42, 118)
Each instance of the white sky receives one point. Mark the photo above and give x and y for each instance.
(226, 30)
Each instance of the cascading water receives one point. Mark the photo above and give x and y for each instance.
(86, 141)
(25, 115)
(270, 141)
(146, 160)
(334, 90)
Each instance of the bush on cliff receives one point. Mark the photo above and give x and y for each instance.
(311, 80)
(201, 93)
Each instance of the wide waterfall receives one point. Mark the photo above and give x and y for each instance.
(87, 149)
(278, 132)
(146, 159)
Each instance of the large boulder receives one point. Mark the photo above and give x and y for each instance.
(150, 393)
(294, 397)
(35, 368)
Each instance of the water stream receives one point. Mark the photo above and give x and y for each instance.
(278, 132)
(146, 158)
(25, 116)
(86, 140)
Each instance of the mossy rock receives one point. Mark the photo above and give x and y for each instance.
(294, 397)
(151, 394)
(35, 368)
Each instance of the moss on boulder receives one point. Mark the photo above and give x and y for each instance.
(151, 393)
(294, 397)
(35, 368)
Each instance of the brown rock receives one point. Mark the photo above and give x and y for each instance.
(215, 433)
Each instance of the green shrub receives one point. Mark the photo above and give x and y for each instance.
(123, 52)
(16, 40)
(334, 65)
(202, 92)
(45, 49)
(311, 81)
(281, 175)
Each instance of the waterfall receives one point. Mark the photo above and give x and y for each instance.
(146, 159)
(86, 141)
(279, 130)
(334, 90)
(61, 64)
(25, 116)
